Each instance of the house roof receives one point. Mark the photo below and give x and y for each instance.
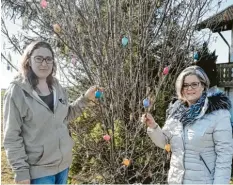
(221, 21)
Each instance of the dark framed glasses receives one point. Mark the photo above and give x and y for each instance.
(40, 59)
(193, 85)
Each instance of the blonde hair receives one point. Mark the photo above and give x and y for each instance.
(25, 69)
(193, 70)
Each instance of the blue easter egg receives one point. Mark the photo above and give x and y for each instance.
(98, 94)
(124, 41)
(196, 57)
(146, 103)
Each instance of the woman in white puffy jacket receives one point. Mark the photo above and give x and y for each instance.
(198, 130)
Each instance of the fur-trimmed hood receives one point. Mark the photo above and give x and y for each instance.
(218, 101)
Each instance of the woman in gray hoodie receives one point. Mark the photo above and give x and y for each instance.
(36, 114)
(198, 130)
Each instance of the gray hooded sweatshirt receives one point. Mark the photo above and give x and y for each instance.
(36, 139)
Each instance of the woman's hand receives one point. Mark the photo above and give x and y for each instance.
(23, 182)
(148, 120)
(90, 93)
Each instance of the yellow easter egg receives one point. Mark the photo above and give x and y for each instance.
(167, 147)
(126, 162)
(131, 117)
(57, 28)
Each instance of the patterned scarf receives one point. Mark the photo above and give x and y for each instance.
(187, 115)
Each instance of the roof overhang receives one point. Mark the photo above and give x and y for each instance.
(222, 21)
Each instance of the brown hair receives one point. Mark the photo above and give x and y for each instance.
(25, 68)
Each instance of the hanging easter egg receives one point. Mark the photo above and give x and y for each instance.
(124, 41)
(43, 3)
(73, 61)
(167, 147)
(8, 67)
(165, 70)
(66, 49)
(126, 162)
(106, 137)
(56, 28)
(195, 56)
(98, 94)
(158, 3)
(146, 103)
(131, 117)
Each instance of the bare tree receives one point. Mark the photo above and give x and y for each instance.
(124, 46)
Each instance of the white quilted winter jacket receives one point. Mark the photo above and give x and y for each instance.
(201, 152)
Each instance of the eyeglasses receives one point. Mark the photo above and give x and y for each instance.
(40, 59)
(193, 85)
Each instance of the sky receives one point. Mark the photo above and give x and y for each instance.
(6, 76)
(219, 45)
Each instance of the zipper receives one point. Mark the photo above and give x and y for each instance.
(205, 163)
(183, 139)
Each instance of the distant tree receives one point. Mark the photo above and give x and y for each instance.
(207, 61)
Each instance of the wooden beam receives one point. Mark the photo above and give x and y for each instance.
(231, 50)
(229, 47)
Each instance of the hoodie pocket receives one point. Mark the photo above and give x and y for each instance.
(51, 154)
(34, 154)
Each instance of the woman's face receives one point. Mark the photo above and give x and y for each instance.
(192, 89)
(42, 62)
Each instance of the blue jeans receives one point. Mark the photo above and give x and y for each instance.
(59, 178)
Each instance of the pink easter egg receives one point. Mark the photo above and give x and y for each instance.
(165, 70)
(73, 61)
(43, 3)
(106, 137)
